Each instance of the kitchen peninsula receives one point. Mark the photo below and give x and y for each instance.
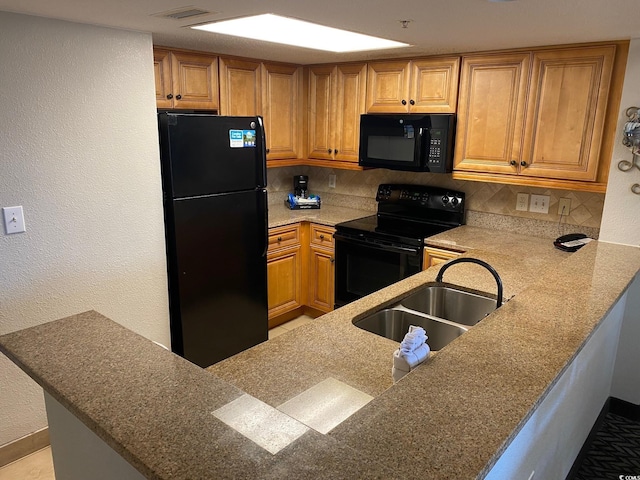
(453, 417)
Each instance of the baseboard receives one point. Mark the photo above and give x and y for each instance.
(24, 446)
(624, 409)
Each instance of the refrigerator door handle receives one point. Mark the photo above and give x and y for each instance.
(265, 214)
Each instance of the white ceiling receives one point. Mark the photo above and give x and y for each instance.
(437, 26)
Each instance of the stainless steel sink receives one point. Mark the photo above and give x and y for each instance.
(455, 305)
(394, 323)
(444, 312)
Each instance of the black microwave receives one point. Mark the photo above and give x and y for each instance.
(414, 142)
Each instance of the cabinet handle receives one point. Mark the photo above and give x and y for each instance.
(279, 239)
(512, 163)
(178, 97)
(170, 96)
(523, 163)
(404, 102)
(412, 102)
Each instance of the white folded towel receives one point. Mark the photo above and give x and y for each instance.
(413, 339)
(412, 352)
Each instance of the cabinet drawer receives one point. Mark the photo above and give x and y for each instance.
(321, 235)
(284, 236)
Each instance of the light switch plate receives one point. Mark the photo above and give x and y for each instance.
(13, 219)
(539, 204)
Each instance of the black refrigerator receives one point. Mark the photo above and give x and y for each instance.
(215, 207)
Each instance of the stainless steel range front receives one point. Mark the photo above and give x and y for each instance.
(375, 251)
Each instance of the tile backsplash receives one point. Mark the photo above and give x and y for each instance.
(489, 198)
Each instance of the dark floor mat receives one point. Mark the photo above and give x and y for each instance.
(615, 451)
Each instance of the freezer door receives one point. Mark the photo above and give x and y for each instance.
(207, 154)
(218, 276)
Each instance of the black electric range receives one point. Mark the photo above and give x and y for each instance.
(375, 251)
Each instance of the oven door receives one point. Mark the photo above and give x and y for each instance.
(362, 267)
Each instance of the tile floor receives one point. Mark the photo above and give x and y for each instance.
(39, 465)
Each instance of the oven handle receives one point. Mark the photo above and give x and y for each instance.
(377, 246)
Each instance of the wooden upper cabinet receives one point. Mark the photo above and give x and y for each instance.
(240, 87)
(322, 83)
(417, 86)
(162, 74)
(193, 80)
(336, 101)
(567, 108)
(536, 115)
(491, 112)
(281, 109)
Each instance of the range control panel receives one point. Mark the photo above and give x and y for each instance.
(420, 196)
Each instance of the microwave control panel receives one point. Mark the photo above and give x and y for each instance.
(436, 156)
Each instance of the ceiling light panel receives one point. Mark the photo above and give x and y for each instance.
(290, 31)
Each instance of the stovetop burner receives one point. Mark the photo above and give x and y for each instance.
(408, 214)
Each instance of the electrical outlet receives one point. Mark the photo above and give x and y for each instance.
(332, 181)
(522, 203)
(564, 206)
(539, 204)
(13, 219)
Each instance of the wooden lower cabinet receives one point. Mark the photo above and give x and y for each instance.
(436, 256)
(300, 271)
(321, 268)
(284, 271)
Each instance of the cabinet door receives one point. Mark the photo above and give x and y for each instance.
(321, 108)
(195, 80)
(566, 112)
(240, 87)
(284, 277)
(491, 108)
(350, 98)
(388, 87)
(434, 85)
(321, 274)
(281, 103)
(162, 74)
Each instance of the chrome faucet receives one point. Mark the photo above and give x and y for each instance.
(479, 262)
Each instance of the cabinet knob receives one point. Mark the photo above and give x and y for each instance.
(321, 237)
(523, 163)
(412, 102)
(335, 151)
(178, 97)
(404, 102)
(512, 163)
(279, 239)
(170, 96)
(332, 260)
(329, 151)
(267, 150)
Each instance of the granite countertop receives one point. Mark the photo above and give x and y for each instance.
(280, 215)
(451, 417)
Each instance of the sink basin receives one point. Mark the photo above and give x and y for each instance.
(455, 305)
(393, 323)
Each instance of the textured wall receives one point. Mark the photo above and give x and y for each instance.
(586, 208)
(79, 152)
(621, 217)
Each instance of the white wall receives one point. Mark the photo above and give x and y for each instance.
(79, 151)
(621, 217)
(621, 224)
